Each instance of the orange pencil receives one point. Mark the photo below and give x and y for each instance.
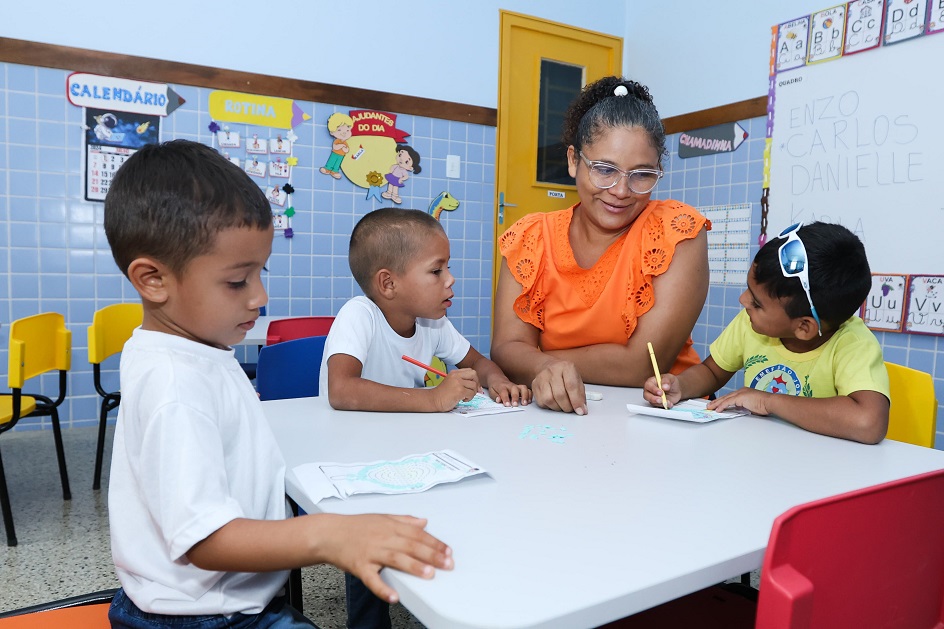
(419, 364)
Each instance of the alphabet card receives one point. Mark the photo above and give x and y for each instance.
(864, 19)
(884, 308)
(925, 305)
(791, 43)
(936, 18)
(904, 19)
(827, 29)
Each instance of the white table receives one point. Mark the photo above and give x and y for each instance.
(628, 512)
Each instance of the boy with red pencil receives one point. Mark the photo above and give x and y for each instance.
(379, 348)
(400, 260)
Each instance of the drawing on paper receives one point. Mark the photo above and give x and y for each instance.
(410, 473)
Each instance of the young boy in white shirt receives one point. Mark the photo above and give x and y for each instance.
(400, 259)
(197, 511)
(807, 357)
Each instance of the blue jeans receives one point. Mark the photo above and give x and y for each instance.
(364, 610)
(278, 614)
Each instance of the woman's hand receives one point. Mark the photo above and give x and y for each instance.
(559, 387)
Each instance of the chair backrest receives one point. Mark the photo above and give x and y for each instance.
(111, 327)
(913, 414)
(296, 328)
(290, 369)
(868, 558)
(38, 344)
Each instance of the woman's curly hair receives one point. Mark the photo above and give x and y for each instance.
(598, 108)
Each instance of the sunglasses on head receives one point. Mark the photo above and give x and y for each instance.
(794, 263)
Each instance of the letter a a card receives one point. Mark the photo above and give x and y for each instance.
(791, 43)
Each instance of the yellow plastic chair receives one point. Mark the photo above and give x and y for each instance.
(913, 414)
(38, 344)
(111, 327)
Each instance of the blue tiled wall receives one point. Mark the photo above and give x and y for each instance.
(54, 255)
(737, 178)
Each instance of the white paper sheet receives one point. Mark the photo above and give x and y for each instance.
(481, 404)
(689, 411)
(411, 474)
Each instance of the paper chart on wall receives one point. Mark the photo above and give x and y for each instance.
(411, 474)
(729, 242)
(689, 411)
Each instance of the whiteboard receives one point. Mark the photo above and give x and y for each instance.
(860, 141)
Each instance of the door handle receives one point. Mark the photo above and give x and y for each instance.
(501, 207)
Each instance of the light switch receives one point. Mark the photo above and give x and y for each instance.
(452, 166)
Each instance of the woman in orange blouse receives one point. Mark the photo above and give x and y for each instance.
(582, 290)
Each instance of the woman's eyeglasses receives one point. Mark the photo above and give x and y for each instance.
(794, 263)
(605, 175)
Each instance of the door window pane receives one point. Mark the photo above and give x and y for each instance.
(560, 84)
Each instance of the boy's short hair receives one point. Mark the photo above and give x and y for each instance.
(168, 201)
(840, 278)
(387, 238)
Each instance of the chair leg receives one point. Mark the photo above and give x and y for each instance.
(295, 597)
(100, 450)
(5, 505)
(61, 455)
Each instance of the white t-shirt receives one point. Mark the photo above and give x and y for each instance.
(361, 330)
(192, 452)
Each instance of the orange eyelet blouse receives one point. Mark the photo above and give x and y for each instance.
(575, 307)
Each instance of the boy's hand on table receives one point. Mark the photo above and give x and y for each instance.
(508, 393)
(751, 399)
(365, 544)
(559, 387)
(460, 385)
(653, 394)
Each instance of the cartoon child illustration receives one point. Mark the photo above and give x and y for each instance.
(408, 161)
(339, 126)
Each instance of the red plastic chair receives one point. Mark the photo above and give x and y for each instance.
(297, 328)
(867, 558)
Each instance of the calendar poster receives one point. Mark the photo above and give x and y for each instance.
(112, 137)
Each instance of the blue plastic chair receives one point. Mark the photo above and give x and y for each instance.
(290, 369)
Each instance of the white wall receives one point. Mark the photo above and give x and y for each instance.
(442, 49)
(698, 55)
(693, 55)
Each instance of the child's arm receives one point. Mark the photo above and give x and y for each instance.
(348, 391)
(696, 381)
(860, 416)
(500, 388)
(359, 544)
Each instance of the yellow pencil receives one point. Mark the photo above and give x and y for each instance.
(655, 367)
